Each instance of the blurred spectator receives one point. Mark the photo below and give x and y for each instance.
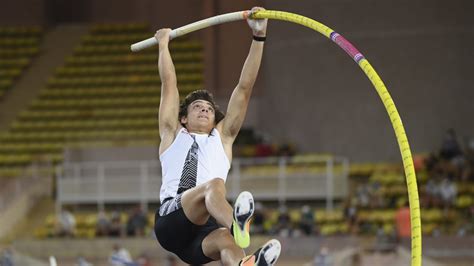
(81, 261)
(120, 257)
(448, 192)
(307, 220)
(450, 147)
(137, 222)
(376, 198)
(258, 219)
(103, 224)
(7, 258)
(385, 239)
(144, 260)
(323, 258)
(264, 150)
(286, 150)
(363, 195)
(115, 228)
(66, 223)
(468, 172)
(356, 259)
(283, 226)
(402, 222)
(432, 193)
(170, 260)
(350, 214)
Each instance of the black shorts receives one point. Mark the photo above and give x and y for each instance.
(180, 236)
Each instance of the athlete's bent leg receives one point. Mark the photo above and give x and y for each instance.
(220, 245)
(207, 199)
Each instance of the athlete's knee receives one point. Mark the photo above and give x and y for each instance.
(215, 185)
(225, 239)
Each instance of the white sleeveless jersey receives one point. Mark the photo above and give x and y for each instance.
(212, 160)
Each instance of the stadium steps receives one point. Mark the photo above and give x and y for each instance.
(35, 218)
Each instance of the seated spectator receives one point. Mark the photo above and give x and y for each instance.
(103, 224)
(432, 193)
(144, 260)
(350, 214)
(137, 222)
(453, 159)
(375, 195)
(363, 195)
(307, 220)
(264, 150)
(170, 260)
(7, 257)
(450, 147)
(66, 224)
(286, 150)
(402, 222)
(81, 261)
(283, 226)
(323, 258)
(448, 192)
(258, 219)
(120, 257)
(115, 228)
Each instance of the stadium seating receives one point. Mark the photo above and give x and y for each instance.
(104, 95)
(18, 46)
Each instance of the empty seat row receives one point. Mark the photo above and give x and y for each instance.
(136, 80)
(57, 104)
(114, 39)
(20, 31)
(148, 69)
(116, 92)
(93, 49)
(135, 59)
(37, 115)
(14, 63)
(18, 52)
(85, 124)
(79, 136)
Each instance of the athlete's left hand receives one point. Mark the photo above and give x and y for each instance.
(258, 26)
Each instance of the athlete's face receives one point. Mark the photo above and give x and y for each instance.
(200, 117)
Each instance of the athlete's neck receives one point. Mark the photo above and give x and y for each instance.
(200, 132)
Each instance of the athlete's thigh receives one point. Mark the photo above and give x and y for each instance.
(194, 205)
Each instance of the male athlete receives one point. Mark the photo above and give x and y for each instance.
(195, 221)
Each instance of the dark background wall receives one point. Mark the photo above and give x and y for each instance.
(315, 95)
(23, 12)
(309, 91)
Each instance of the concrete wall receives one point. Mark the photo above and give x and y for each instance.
(316, 96)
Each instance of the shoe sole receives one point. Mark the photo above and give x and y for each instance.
(242, 220)
(269, 253)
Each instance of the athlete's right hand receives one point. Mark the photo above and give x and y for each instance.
(163, 36)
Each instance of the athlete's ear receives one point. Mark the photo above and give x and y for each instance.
(184, 120)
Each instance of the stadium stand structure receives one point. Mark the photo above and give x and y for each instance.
(18, 46)
(103, 96)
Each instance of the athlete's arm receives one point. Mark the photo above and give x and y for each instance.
(239, 100)
(169, 102)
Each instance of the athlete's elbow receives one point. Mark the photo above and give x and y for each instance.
(245, 86)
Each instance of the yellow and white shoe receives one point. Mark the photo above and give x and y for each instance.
(244, 208)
